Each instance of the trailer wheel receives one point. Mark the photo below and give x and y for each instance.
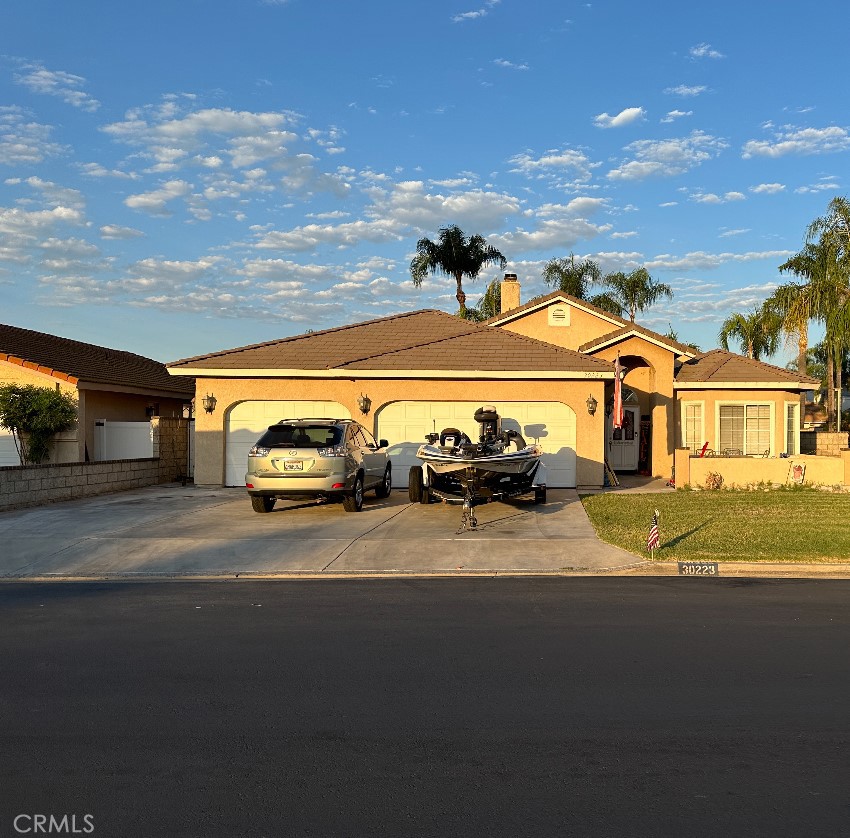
(414, 484)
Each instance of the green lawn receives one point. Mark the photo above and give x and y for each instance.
(728, 526)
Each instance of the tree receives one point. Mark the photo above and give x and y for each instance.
(453, 255)
(488, 306)
(636, 291)
(758, 332)
(574, 278)
(35, 415)
(830, 295)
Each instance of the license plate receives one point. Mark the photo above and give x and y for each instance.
(293, 465)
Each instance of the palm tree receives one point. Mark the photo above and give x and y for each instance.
(488, 306)
(831, 293)
(636, 291)
(574, 278)
(453, 255)
(757, 332)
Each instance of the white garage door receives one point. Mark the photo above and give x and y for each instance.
(551, 424)
(8, 452)
(247, 422)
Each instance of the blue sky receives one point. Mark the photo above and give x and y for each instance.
(182, 177)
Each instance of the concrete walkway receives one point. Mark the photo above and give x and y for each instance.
(174, 530)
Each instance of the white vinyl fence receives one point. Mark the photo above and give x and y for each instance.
(122, 440)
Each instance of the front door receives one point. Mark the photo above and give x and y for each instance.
(623, 442)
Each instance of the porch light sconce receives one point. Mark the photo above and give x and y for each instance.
(209, 402)
(591, 404)
(364, 403)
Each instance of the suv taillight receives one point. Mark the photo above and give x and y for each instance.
(336, 451)
(257, 451)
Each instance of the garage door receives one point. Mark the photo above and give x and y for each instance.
(551, 424)
(248, 420)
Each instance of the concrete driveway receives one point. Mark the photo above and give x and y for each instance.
(172, 530)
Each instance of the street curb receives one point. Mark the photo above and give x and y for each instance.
(642, 569)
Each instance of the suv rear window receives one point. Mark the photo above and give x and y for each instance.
(301, 436)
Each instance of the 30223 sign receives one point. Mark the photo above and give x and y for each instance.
(698, 569)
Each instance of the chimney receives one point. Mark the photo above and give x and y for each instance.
(509, 293)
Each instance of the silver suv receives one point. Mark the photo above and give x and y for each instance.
(317, 458)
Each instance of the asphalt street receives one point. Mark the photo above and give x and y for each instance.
(393, 707)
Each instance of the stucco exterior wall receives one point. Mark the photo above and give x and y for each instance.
(66, 446)
(583, 327)
(740, 472)
(209, 428)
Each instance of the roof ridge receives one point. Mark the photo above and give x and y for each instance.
(479, 327)
(306, 335)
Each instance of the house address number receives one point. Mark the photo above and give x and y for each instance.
(698, 569)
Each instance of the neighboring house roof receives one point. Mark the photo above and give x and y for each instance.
(416, 341)
(622, 328)
(719, 368)
(75, 362)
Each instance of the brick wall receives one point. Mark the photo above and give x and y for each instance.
(823, 442)
(35, 485)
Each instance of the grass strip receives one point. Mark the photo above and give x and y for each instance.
(793, 525)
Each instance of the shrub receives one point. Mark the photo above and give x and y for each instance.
(713, 480)
(35, 415)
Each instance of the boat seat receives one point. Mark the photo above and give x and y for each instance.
(453, 438)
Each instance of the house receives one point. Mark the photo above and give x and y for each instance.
(547, 365)
(108, 385)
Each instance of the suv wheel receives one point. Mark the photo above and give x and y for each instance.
(385, 486)
(260, 503)
(354, 501)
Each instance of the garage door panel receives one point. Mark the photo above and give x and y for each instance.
(550, 424)
(247, 422)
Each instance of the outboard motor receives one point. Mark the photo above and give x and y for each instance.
(490, 424)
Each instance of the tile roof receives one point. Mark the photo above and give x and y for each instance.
(721, 367)
(625, 327)
(417, 340)
(74, 361)
(634, 329)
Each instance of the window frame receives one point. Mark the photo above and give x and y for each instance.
(795, 408)
(745, 403)
(696, 447)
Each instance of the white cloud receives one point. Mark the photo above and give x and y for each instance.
(24, 141)
(686, 90)
(477, 13)
(701, 260)
(672, 116)
(705, 51)
(665, 158)
(51, 193)
(509, 65)
(38, 79)
(154, 202)
(113, 231)
(712, 198)
(312, 236)
(564, 168)
(625, 117)
(767, 188)
(96, 170)
(792, 140)
(729, 233)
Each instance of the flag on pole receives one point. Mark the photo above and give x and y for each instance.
(617, 416)
(654, 540)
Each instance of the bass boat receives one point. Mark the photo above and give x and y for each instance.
(456, 470)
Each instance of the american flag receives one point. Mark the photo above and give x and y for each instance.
(654, 540)
(617, 417)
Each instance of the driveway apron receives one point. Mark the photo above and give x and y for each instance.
(201, 531)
